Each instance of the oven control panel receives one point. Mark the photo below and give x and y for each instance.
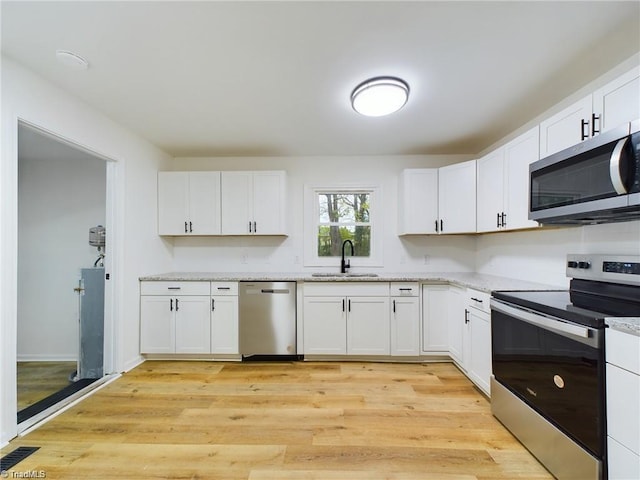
(605, 268)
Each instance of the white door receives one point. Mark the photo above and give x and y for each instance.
(368, 326)
(405, 326)
(157, 324)
(325, 325)
(173, 203)
(269, 202)
(565, 129)
(519, 154)
(457, 197)
(434, 318)
(224, 324)
(618, 102)
(236, 192)
(418, 209)
(204, 203)
(193, 324)
(490, 191)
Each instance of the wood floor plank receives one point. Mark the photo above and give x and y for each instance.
(284, 421)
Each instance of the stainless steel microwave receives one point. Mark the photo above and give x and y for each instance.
(596, 181)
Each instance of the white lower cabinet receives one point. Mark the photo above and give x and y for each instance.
(346, 318)
(189, 317)
(224, 318)
(368, 326)
(622, 352)
(456, 323)
(435, 338)
(174, 324)
(405, 319)
(325, 325)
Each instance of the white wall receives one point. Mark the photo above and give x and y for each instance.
(137, 249)
(58, 201)
(540, 255)
(278, 254)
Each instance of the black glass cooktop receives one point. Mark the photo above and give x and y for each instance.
(587, 303)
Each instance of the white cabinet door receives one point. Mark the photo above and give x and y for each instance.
(236, 196)
(325, 325)
(518, 155)
(623, 464)
(565, 128)
(157, 324)
(368, 326)
(224, 324)
(434, 318)
(479, 364)
(457, 197)
(253, 203)
(405, 326)
(192, 324)
(456, 323)
(491, 190)
(204, 203)
(268, 200)
(173, 203)
(418, 201)
(618, 102)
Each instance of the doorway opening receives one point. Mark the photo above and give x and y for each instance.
(63, 217)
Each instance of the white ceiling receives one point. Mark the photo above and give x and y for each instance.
(274, 78)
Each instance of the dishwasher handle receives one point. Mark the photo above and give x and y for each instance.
(275, 290)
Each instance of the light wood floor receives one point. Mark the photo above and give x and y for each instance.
(281, 421)
(38, 380)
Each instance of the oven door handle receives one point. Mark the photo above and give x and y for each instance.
(553, 324)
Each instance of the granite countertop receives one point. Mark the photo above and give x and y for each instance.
(485, 283)
(629, 325)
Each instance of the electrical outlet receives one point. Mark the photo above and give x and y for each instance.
(245, 257)
(296, 259)
(427, 260)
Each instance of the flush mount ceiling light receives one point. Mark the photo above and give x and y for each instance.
(380, 96)
(71, 60)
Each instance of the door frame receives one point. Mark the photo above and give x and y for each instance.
(9, 249)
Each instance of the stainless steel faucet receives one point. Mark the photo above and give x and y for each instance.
(344, 264)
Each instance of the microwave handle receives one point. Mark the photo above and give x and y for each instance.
(614, 167)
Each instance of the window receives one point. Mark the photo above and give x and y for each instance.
(335, 214)
(343, 216)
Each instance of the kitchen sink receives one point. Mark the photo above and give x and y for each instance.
(329, 275)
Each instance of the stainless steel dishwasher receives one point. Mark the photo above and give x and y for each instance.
(267, 318)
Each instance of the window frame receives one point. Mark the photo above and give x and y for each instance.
(312, 222)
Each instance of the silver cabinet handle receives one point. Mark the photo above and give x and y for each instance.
(614, 167)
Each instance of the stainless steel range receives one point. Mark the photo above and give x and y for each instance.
(548, 383)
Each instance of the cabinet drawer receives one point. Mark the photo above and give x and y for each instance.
(224, 288)
(479, 300)
(346, 289)
(175, 288)
(623, 349)
(623, 411)
(408, 289)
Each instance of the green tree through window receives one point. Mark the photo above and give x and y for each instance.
(342, 216)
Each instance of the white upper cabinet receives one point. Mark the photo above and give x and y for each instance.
(608, 107)
(438, 200)
(418, 201)
(503, 185)
(188, 203)
(253, 203)
(457, 198)
(618, 101)
(566, 128)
